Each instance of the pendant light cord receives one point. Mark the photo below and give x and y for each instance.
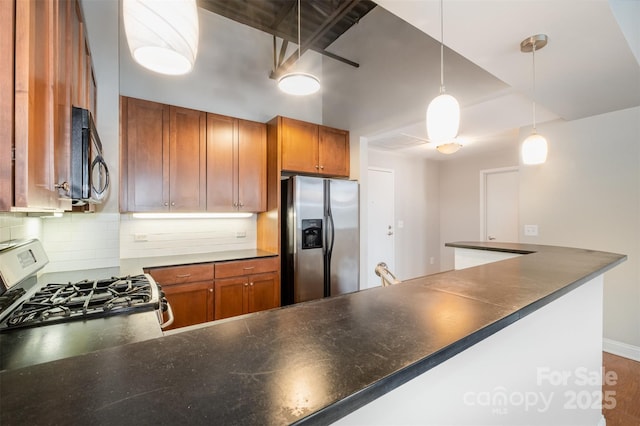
(441, 47)
(533, 52)
(299, 47)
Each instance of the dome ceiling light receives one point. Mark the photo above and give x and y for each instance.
(299, 83)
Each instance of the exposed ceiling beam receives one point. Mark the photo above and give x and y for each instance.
(271, 29)
(335, 17)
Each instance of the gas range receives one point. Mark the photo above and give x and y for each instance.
(62, 302)
(79, 313)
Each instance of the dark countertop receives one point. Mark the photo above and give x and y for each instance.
(135, 265)
(308, 363)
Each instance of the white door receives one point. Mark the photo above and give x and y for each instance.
(380, 220)
(500, 205)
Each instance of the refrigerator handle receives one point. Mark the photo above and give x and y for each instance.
(333, 234)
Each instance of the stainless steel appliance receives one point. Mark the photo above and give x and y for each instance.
(89, 173)
(78, 315)
(320, 238)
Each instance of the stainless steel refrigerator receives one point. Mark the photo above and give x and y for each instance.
(320, 238)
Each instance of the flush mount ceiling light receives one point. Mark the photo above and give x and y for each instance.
(443, 113)
(162, 34)
(449, 147)
(299, 83)
(534, 148)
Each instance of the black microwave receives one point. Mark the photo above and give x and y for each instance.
(89, 174)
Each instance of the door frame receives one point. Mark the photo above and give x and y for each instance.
(483, 194)
(393, 174)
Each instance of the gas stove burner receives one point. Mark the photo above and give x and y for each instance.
(83, 299)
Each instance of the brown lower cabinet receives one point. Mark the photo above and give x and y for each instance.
(204, 292)
(246, 286)
(189, 291)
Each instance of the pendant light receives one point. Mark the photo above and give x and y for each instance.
(162, 34)
(299, 83)
(534, 148)
(443, 113)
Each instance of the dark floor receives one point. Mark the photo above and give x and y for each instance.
(625, 410)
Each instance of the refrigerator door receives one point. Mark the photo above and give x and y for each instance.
(343, 243)
(309, 244)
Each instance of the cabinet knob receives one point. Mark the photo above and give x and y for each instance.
(240, 205)
(246, 284)
(210, 290)
(173, 204)
(321, 167)
(317, 167)
(235, 204)
(64, 186)
(251, 284)
(166, 204)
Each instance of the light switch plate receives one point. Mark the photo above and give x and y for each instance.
(531, 230)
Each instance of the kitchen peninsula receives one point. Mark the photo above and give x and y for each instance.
(346, 358)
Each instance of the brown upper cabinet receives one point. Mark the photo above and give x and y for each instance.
(236, 164)
(46, 34)
(314, 149)
(163, 157)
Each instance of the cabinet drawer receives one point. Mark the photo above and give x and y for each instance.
(182, 274)
(246, 267)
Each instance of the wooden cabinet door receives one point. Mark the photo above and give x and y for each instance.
(221, 184)
(63, 103)
(7, 26)
(187, 160)
(146, 136)
(264, 292)
(230, 297)
(299, 146)
(252, 166)
(191, 303)
(35, 52)
(333, 151)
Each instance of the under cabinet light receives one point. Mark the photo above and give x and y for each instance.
(191, 215)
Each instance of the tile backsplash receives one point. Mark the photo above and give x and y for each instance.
(166, 237)
(81, 241)
(19, 226)
(78, 241)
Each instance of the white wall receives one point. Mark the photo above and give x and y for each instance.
(415, 204)
(587, 195)
(460, 197)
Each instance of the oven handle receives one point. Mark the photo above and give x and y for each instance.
(168, 322)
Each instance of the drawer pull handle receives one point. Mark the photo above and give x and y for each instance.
(183, 275)
(248, 268)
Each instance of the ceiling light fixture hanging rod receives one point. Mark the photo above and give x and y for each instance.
(531, 44)
(441, 47)
(336, 16)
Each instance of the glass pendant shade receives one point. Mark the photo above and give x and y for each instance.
(162, 34)
(443, 118)
(299, 84)
(534, 149)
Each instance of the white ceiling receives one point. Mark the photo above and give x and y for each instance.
(589, 67)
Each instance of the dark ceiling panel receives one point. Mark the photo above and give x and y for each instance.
(322, 21)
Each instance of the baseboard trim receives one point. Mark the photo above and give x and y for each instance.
(621, 349)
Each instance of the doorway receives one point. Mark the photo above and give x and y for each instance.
(499, 204)
(381, 217)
